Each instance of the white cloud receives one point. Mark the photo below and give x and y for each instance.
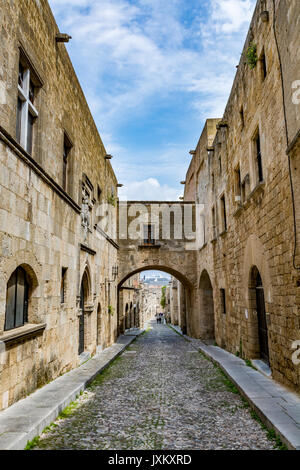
(149, 190)
(142, 48)
(231, 15)
(130, 55)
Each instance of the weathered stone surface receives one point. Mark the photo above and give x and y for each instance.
(47, 225)
(162, 397)
(275, 404)
(43, 227)
(173, 249)
(259, 233)
(26, 419)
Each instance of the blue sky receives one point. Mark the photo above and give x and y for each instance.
(152, 72)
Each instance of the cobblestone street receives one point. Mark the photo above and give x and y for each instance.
(160, 394)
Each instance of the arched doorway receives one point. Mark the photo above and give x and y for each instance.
(83, 299)
(257, 297)
(131, 321)
(207, 313)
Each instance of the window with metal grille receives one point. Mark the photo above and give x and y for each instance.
(26, 111)
(16, 314)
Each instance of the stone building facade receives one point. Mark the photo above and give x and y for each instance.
(166, 295)
(130, 311)
(158, 235)
(57, 267)
(150, 298)
(174, 301)
(245, 176)
(66, 283)
(138, 303)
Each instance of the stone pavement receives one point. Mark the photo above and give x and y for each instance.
(160, 394)
(278, 407)
(27, 418)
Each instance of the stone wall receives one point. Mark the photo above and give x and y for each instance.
(176, 256)
(150, 306)
(130, 304)
(257, 233)
(174, 301)
(45, 227)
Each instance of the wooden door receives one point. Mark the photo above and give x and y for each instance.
(262, 321)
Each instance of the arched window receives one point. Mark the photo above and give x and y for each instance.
(16, 314)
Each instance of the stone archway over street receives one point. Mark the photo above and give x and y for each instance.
(161, 236)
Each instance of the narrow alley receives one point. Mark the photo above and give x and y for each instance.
(160, 394)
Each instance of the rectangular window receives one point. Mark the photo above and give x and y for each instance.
(242, 117)
(63, 285)
(26, 111)
(214, 224)
(66, 151)
(237, 185)
(223, 214)
(263, 65)
(204, 228)
(223, 301)
(149, 235)
(258, 158)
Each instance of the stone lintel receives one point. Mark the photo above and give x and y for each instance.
(145, 247)
(24, 332)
